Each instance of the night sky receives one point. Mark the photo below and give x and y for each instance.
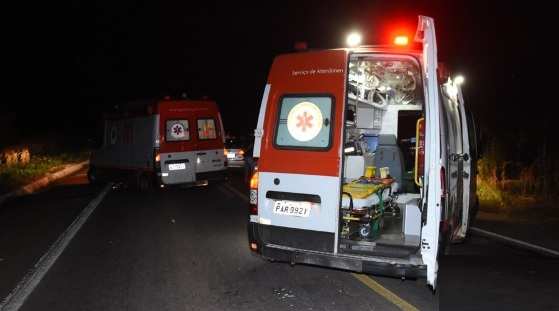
(73, 62)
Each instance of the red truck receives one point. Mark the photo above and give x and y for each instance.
(167, 142)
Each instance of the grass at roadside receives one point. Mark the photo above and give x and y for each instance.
(39, 165)
(513, 207)
(489, 195)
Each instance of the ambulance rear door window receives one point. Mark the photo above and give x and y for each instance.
(304, 122)
(177, 130)
(206, 129)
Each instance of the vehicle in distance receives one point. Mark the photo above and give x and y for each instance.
(162, 142)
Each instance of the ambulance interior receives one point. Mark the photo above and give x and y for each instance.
(380, 213)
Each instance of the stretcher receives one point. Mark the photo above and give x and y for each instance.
(364, 195)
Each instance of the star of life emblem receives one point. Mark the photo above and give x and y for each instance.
(304, 121)
(177, 131)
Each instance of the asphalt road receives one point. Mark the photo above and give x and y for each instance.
(186, 249)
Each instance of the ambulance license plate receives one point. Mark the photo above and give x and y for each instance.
(177, 166)
(292, 208)
(231, 155)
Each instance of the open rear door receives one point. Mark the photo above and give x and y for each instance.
(466, 162)
(432, 182)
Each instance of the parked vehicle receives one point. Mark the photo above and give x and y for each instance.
(167, 142)
(364, 160)
(235, 152)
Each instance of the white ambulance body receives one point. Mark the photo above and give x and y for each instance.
(364, 160)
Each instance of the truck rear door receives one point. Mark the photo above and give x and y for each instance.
(299, 166)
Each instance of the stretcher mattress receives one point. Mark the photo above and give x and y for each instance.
(365, 195)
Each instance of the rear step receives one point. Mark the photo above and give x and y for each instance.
(377, 248)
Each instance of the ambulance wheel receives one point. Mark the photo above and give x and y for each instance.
(92, 175)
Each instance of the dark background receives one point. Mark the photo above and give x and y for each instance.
(72, 62)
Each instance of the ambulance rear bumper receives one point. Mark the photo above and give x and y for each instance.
(369, 265)
(296, 256)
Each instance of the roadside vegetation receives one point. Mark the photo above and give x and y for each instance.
(507, 184)
(14, 176)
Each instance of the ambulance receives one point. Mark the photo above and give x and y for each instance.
(366, 159)
(162, 142)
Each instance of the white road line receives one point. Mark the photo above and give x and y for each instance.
(519, 243)
(17, 297)
(238, 193)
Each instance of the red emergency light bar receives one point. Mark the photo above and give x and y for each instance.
(401, 40)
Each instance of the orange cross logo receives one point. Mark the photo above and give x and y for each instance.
(304, 121)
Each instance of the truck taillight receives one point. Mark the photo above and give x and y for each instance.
(253, 198)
